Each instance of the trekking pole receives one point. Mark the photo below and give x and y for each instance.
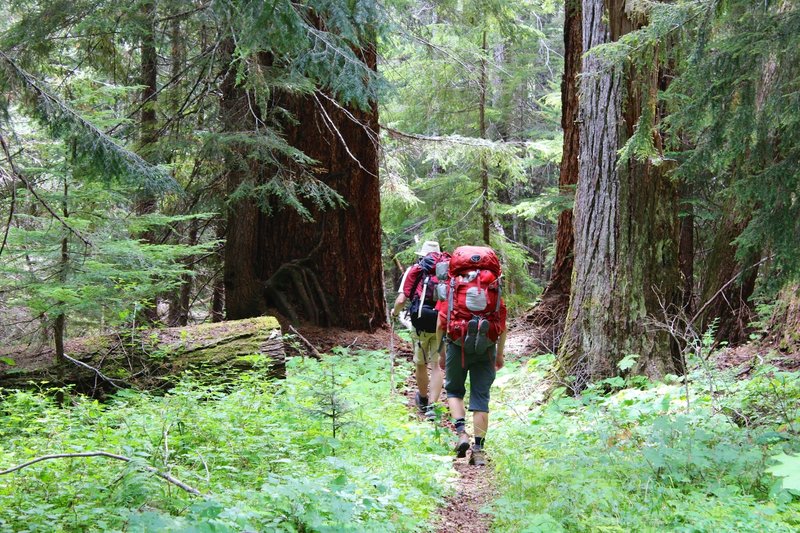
(391, 355)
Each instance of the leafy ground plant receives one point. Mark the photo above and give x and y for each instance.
(645, 458)
(262, 454)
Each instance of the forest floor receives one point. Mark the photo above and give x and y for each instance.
(461, 512)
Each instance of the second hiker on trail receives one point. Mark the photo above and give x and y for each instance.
(473, 315)
(418, 288)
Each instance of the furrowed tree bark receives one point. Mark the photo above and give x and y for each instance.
(552, 308)
(245, 222)
(341, 250)
(626, 226)
(332, 264)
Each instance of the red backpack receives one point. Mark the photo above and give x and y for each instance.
(474, 292)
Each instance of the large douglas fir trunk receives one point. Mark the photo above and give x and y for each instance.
(626, 226)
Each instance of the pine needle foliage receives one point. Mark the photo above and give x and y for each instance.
(100, 156)
(434, 152)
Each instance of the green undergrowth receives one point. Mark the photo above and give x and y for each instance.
(327, 449)
(647, 458)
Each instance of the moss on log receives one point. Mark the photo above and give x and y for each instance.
(150, 359)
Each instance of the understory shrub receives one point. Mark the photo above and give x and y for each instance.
(647, 458)
(326, 449)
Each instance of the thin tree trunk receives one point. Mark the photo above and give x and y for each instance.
(552, 309)
(148, 122)
(218, 283)
(686, 254)
(149, 70)
(626, 229)
(179, 306)
(486, 216)
(59, 325)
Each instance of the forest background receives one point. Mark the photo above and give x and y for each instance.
(635, 165)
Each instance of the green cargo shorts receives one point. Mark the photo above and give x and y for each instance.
(481, 375)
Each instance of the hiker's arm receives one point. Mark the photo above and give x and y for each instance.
(398, 304)
(500, 360)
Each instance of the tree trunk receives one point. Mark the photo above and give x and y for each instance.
(181, 299)
(783, 328)
(626, 227)
(328, 271)
(686, 253)
(148, 122)
(244, 287)
(218, 282)
(485, 214)
(59, 324)
(552, 308)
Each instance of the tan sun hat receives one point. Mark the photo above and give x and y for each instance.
(428, 247)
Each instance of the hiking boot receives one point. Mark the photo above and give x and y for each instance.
(477, 457)
(422, 405)
(430, 412)
(462, 445)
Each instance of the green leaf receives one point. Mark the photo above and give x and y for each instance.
(788, 468)
(628, 361)
(8, 361)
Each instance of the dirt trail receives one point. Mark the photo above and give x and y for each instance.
(461, 512)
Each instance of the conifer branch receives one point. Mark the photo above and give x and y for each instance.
(455, 139)
(93, 369)
(63, 119)
(372, 134)
(36, 195)
(162, 475)
(331, 125)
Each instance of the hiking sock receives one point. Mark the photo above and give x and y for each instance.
(423, 401)
(460, 424)
(479, 442)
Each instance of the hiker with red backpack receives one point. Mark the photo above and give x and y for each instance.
(418, 289)
(473, 316)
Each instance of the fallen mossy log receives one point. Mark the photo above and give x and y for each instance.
(149, 359)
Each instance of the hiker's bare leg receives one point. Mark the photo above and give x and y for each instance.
(422, 379)
(480, 422)
(437, 379)
(456, 406)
